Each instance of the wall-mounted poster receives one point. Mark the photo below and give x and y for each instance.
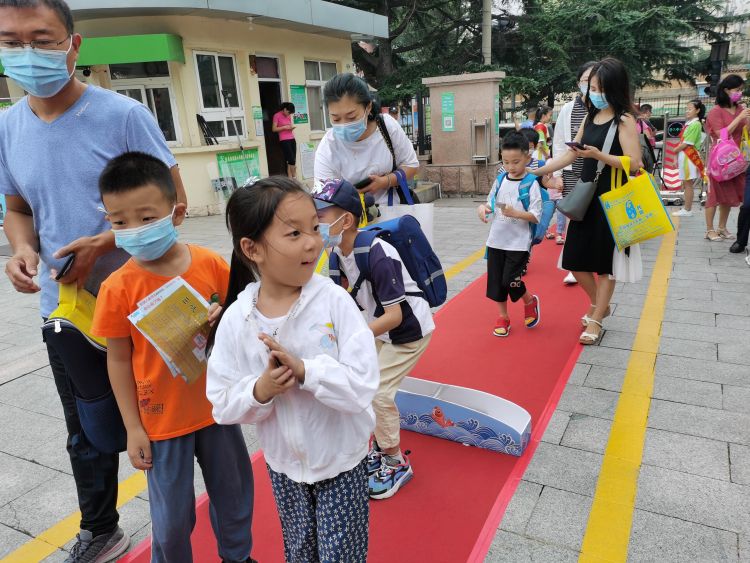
(449, 112)
(298, 97)
(239, 165)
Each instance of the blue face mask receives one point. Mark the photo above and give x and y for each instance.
(350, 132)
(329, 240)
(598, 99)
(149, 242)
(42, 73)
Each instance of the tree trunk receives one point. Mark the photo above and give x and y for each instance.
(385, 51)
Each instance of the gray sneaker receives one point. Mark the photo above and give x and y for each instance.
(99, 549)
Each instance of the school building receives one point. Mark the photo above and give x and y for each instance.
(213, 73)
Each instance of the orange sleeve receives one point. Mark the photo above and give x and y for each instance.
(111, 315)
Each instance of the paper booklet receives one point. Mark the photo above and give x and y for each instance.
(174, 319)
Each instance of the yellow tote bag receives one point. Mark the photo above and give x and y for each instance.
(634, 210)
(745, 144)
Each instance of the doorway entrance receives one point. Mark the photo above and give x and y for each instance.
(269, 84)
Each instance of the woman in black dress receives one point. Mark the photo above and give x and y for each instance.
(589, 248)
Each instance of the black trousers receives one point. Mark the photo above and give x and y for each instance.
(95, 473)
(504, 271)
(743, 220)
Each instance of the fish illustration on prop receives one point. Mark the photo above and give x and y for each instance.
(439, 417)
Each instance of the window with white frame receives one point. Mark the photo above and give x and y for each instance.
(317, 73)
(220, 98)
(150, 84)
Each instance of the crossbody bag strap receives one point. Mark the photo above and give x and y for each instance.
(608, 142)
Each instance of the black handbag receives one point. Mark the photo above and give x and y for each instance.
(575, 205)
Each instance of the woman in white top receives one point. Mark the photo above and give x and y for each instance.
(354, 148)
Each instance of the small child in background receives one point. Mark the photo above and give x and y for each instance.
(168, 421)
(542, 117)
(555, 190)
(399, 317)
(293, 355)
(509, 241)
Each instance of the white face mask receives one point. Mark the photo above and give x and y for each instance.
(329, 240)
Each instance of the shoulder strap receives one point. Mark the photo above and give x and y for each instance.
(362, 246)
(524, 190)
(334, 268)
(500, 180)
(386, 137)
(608, 142)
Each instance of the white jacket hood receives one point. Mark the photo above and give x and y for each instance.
(321, 428)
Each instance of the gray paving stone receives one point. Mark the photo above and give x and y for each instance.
(508, 547)
(20, 477)
(10, 540)
(58, 556)
(734, 277)
(733, 322)
(719, 504)
(703, 333)
(700, 421)
(685, 453)
(607, 378)
(39, 509)
(32, 393)
(630, 311)
(586, 400)
(730, 297)
(607, 357)
(694, 276)
(739, 458)
(688, 391)
(587, 433)
(701, 370)
(690, 317)
(688, 348)
(616, 339)
(629, 299)
(558, 422)
(735, 353)
(736, 398)
(655, 538)
(564, 468)
(28, 359)
(579, 374)
(560, 518)
(709, 307)
(621, 324)
(521, 506)
(19, 428)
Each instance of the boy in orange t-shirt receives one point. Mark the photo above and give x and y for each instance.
(168, 420)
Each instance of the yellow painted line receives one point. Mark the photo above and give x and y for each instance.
(611, 517)
(54, 538)
(463, 264)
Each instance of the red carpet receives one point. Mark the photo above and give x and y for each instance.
(449, 512)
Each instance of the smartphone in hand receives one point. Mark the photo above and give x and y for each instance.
(576, 145)
(66, 267)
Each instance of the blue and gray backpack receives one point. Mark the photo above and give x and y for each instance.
(406, 236)
(538, 230)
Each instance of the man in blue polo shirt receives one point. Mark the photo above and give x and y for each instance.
(54, 143)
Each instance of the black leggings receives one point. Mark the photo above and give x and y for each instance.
(504, 271)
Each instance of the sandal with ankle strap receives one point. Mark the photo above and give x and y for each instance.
(714, 237)
(589, 338)
(726, 235)
(585, 319)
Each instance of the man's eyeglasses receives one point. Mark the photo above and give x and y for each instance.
(37, 44)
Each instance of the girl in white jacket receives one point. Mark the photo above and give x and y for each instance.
(292, 354)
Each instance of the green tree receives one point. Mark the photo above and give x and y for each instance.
(551, 39)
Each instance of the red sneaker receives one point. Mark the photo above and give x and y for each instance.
(502, 328)
(532, 312)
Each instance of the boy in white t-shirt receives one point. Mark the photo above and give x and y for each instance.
(398, 316)
(509, 241)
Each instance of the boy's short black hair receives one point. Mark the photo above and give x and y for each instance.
(517, 141)
(531, 135)
(58, 6)
(288, 106)
(132, 170)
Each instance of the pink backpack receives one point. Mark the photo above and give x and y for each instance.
(726, 160)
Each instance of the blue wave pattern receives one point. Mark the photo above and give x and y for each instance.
(470, 432)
